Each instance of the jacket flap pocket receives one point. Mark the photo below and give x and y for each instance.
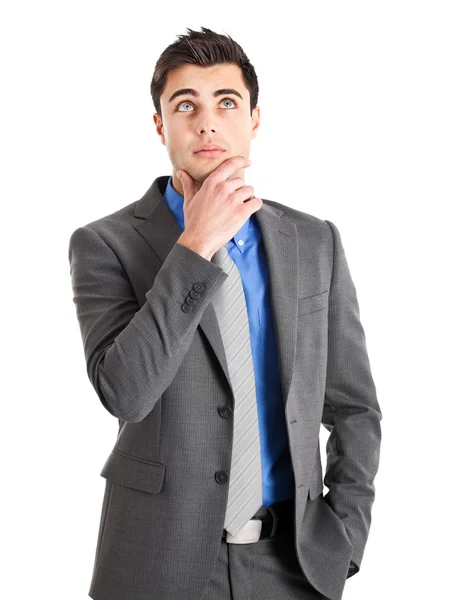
(133, 472)
(310, 304)
(316, 483)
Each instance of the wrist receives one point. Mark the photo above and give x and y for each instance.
(195, 243)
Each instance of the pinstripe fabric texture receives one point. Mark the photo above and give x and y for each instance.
(245, 481)
(157, 365)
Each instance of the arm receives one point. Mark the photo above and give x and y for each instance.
(133, 353)
(351, 410)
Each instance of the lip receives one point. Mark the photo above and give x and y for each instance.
(208, 147)
(209, 153)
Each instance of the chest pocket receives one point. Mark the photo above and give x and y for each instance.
(313, 303)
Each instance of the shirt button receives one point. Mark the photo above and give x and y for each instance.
(240, 242)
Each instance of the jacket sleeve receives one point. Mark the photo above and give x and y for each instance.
(351, 411)
(132, 354)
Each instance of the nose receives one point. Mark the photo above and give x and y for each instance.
(204, 129)
(206, 121)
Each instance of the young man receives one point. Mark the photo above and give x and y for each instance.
(214, 486)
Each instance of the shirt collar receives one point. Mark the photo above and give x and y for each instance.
(175, 203)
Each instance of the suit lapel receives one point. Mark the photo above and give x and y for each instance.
(157, 225)
(281, 247)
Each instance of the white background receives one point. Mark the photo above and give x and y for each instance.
(357, 126)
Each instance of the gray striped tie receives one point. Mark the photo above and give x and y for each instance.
(245, 481)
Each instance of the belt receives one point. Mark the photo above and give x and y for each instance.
(269, 521)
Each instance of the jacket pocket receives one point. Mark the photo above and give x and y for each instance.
(132, 472)
(314, 303)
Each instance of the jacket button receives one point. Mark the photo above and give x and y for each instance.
(198, 287)
(191, 301)
(186, 307)
(194, 294)
(221, 476)
(225, 411)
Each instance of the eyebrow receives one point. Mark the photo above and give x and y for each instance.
(192, 92)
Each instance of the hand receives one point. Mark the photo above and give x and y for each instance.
(353, 569)
(215, 212)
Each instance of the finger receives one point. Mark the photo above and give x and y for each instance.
(228, 168)
(189, 187)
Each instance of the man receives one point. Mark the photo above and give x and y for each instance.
(214, 485)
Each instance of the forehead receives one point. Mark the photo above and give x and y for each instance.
(204, 79)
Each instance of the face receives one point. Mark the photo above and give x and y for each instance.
(189, 121)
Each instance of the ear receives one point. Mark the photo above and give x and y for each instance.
(255, 121)
(159, 127)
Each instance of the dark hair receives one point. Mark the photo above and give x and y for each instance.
(204, 48)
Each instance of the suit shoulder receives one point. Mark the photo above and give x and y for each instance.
(122, 216)
(306, 222)
(110, 224)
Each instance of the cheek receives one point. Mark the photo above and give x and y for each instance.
(177, 139)
(171, 133)
(173, 144)
(238, 130)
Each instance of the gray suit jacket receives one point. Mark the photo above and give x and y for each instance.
(157, 363)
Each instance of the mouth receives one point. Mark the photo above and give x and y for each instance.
(208, 153)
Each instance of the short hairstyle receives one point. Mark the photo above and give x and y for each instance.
(204, 48)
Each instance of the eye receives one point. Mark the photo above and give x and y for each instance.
(189, 104)
(229, 100)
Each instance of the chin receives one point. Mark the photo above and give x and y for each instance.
(200, 175)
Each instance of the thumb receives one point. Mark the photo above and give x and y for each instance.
(189, 187)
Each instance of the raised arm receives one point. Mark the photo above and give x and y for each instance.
(133, 353)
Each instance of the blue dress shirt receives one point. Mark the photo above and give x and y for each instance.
(247, 251)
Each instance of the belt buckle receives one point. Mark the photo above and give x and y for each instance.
(251, 532)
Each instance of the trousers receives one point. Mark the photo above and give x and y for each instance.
(264, 570)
